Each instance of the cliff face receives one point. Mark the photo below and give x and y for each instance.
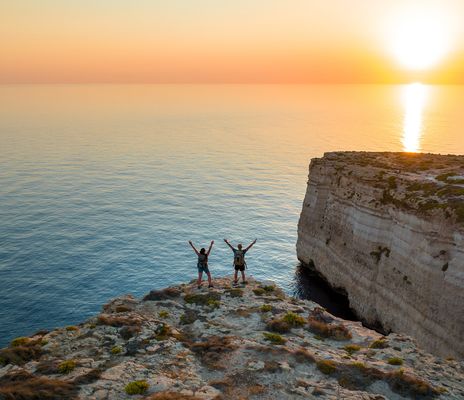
(387, 228)
(252, 342)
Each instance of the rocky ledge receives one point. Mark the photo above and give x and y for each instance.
(251, 342)
(387, 229)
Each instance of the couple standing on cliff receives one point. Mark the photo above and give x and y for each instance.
(239, 261)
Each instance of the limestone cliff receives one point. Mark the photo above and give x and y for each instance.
(252, 342)
(388, 229)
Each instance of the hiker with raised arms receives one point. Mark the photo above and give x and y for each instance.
(239, 259)
(202, 263)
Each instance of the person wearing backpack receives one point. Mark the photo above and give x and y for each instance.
(239, 259)
(202, 263)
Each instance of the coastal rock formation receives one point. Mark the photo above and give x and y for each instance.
(388, 230)
(251, 342)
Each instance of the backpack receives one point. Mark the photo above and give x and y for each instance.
(203, 259)
(239, 258)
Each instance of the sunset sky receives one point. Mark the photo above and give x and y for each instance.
(245, 41)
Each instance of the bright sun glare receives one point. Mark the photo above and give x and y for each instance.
(419, 40)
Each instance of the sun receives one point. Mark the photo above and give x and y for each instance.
(419, 40)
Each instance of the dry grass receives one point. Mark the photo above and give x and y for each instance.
(123, 308)
(165, 294)
(189, 317)
(25, 386)
(234, 292)
(238, 386)
(278, 325)
(409, 385)
(333, 331)
(202, 299)
(47, 367)
(90, 377)
(170, 396)
(352, 348)
(327, 367)
(302, 355)
(379, 344)
(118, 320)
(20, 355)
(128, 332)
(211, 351)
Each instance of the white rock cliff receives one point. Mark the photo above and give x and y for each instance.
(388, 229)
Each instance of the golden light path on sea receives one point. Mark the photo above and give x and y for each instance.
(414, 97)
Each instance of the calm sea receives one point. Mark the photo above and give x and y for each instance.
(101, 187)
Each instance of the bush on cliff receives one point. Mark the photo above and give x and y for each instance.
(118, 320)
(294, 320)
(165, 294)
(274, 338)
(211, 350)
(170, 396)
(22, 385)
(337, 331)
(278, 325)
(136, 387)
(66, 367)
(202, 299)
(21, 354)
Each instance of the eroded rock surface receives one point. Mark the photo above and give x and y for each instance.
(388, 228)
(251, 342)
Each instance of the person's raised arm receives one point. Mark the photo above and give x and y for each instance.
(251, 244)
(193, 247)
(210, 247)
(228, 244)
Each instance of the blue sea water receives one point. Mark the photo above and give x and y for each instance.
(101, 186)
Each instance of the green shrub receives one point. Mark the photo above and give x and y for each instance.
(136, 387)
(163, 314)
(214, 303)
(293, 319)
(327, 367)
(189, 317)
(274, 338)
(266, 308)
(269, 288)
(66, 367)
(116, 350)
(278, 325)
(395, 361)
(235, 292)
(163, 332)
(352, 348)
(72, 328)
(2, 361)
(202, 299)
(20, 341)
(259, 291)
(379, 344)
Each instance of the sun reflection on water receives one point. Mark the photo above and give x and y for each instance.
(414, 96)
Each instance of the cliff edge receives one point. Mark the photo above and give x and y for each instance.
(252, 342)
(388, 230)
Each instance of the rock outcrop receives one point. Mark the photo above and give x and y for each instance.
(251, 342)
(388, 230)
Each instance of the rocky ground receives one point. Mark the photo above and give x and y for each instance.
(251, 342)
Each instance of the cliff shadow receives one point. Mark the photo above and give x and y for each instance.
(310, 285)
